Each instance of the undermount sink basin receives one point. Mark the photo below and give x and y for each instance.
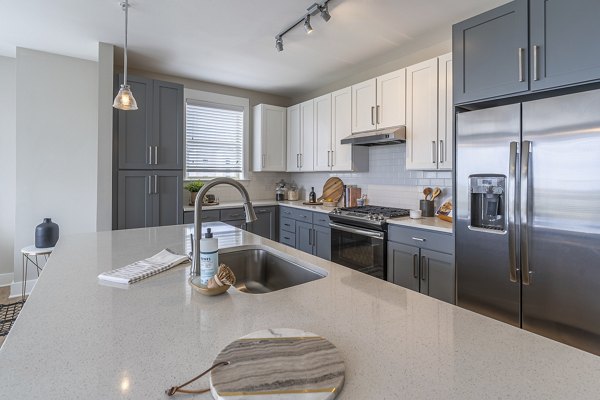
(260, 271)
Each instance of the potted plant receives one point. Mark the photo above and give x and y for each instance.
(193, 187)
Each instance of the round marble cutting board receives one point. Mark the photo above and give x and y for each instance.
(278, 364)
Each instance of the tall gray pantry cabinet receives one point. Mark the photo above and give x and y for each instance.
(148, 156)
(526, 46)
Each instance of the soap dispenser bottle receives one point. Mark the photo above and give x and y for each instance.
(209, 257)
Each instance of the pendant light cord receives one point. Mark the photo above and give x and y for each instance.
(126, 7)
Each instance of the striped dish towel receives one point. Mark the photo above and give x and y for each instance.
(144, 268)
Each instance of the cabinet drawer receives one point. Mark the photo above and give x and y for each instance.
(229, 214)
(288, 224)
(207, 216)
(425, 239)
(286, 212)
(287, 238)
(321, 219)
(303, 215)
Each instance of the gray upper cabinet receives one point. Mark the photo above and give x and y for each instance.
(565, 42)
(167, 125)
(149, 198)
(490, 54)
(134, 127)
(526, 46)
(152, 137)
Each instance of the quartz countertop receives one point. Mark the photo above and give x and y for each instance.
(431, 223)
(79, 338)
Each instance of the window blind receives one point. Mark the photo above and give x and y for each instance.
(214, 138)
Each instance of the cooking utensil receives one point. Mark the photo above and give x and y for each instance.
(427, 191)
(436, 192)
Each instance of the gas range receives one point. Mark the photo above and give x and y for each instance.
(373, 217)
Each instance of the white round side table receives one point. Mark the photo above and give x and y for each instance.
(30, 255)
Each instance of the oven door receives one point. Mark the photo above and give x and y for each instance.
(358, 248)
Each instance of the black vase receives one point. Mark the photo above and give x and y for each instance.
(46, 234)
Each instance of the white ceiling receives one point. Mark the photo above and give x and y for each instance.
(232, 41)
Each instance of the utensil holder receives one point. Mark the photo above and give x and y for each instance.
(426, 207)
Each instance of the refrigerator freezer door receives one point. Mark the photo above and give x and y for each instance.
(485, 260)
(563, 219)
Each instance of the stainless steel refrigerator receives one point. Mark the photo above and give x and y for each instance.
(527, 216)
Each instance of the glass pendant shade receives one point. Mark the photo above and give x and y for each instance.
(125, 100)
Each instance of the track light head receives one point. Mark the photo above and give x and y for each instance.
(307, 27)
(279, 43)
(325, 12)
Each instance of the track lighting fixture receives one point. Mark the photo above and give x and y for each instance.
(316, 8)
(307, 26)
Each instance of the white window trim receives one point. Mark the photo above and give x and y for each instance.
(210, 97)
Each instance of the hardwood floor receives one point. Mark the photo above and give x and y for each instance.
(4, 293)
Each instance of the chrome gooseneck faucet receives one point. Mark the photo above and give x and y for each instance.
(250, 216)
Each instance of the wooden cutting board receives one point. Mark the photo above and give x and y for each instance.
(278, 364)
(333, 189)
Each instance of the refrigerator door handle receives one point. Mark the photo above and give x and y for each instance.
(525, 154)
(512, 209)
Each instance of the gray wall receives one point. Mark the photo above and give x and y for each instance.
(57, 145)
(7, 166)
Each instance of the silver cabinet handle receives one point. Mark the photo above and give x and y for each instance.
(433, 149)
(415, 269)
(521, 66)
(310, 237)
(301, 160)
(512, 190)
(150, 155)
(536, 49)
(441, 151)
(149, 184)
(418, 239)
(155, 183)
(332, 159)
(377, 115)
(262, 211)
(345, 228)
(372, 115)
(263, 160)
(328, 151)
(297, 160)
(423, 266)
(525, 154)
(156, 155)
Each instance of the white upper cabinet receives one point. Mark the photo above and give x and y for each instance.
(307, 133)
(391, 99)
(269, 138)
(429, 114)
(293, 138)
(364, 101)
(341, 126)
(445, 112)
(379, 103)
(322, 133)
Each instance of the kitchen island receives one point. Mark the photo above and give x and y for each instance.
(79, 338)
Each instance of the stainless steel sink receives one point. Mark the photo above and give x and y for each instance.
(259, 271)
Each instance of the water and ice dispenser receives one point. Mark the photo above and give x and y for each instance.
(488, 202)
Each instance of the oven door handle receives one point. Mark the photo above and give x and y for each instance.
(373, 234)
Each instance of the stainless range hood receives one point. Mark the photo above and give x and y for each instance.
(379, 137)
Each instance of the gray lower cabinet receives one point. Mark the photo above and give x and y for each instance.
(305, 230)
(490, 54)
(149, 198)
(422, 261)
(265, 225)
(526, 46)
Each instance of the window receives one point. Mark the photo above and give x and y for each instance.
(216, 130)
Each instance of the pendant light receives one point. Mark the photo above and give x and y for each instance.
(125, 100)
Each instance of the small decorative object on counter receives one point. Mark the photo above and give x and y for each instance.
(292, 193)
(445, 211)
(280, 191)
(224, 276)
(46, 234)
(312, 196)
(362, 200)
(415, 214)
(209, 257)
(193, 187)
